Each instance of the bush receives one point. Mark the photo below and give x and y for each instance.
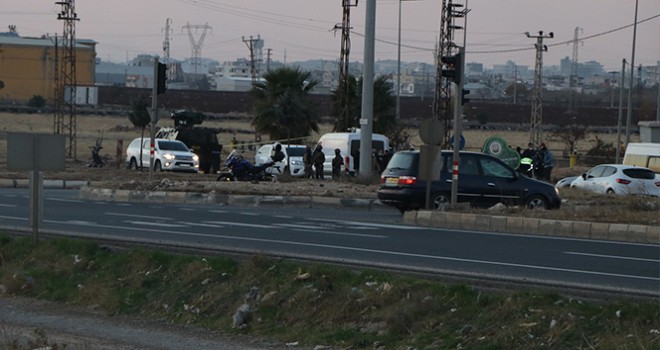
(37, 101)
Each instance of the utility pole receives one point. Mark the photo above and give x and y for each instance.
(196, 44)
(613, 73)
(344, 62)
(572, 82)
(268, 53)
(619, 120)
(166, 48)
(536, 133)
(632, 76)
(253, 45)
(67, 77)
(366, 117)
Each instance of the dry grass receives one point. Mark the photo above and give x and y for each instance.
(316, 304)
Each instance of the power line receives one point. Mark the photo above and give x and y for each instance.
(569, 41)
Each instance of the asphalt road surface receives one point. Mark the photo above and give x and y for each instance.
(371, 238)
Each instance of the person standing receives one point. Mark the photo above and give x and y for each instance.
(548, 162)
(337, 162)
(319, 159)
(308, 162)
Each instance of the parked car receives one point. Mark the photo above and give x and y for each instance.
(168, 155)
(483, 181)
(293, 159)
(619, 179)
(565, 182)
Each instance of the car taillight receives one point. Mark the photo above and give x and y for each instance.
(657, 184)
(623, 181)
(407, 180)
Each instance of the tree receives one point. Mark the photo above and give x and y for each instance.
(281, 109)
(384, 112)
(140, 118)
(570, 135)
(520, 89)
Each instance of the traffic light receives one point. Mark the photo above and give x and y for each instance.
(162, 79)
(464, 99)
(453, 67)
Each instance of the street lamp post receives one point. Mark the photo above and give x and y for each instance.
(398, 71)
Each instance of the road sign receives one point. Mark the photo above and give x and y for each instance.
(431, 131)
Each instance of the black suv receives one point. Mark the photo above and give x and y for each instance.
(483, 181)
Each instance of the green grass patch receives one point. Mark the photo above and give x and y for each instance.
(317, 304)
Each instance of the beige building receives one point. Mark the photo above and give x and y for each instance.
(28, 67)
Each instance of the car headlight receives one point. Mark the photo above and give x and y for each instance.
(296, 162)
(195, 157)
(169, 156)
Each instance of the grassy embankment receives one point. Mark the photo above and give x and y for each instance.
(317, 304)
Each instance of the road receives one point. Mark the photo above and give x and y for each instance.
(354, 236)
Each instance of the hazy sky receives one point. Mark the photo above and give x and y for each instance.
(302, 29)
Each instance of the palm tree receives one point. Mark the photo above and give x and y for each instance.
(384, 112)
(281, 108)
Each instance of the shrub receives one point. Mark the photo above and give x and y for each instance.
(37, 101)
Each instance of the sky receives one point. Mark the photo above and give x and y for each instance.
(298, 30)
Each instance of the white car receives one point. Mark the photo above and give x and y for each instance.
(168, 155)
(619, 179)
(293, 159)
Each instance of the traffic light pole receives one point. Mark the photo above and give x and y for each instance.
(154, 118)
(458, 112)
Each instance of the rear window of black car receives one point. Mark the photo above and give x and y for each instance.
(645, 174)
(402, 161)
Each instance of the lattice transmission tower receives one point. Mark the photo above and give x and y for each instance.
(65, 85)
(536, 131)
(196, 43)
(452, 12)
(343, 121)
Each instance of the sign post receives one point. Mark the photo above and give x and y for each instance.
(34, 153)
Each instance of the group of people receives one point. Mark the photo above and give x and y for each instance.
(537, 162)
(313, 161)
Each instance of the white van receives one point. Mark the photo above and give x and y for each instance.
(349, 146)
(643, 154)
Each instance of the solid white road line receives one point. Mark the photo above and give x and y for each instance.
(157, 224)
(8, 205)
(138, 216)
(613, 257)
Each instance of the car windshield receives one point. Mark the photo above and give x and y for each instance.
(637, 173)
(295, 151)
(172, 146)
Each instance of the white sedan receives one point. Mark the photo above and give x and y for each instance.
(619, 179)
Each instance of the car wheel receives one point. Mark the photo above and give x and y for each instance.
(133, 164)
(610, 191)
(537, 202)
(440, 200)
(158, 166)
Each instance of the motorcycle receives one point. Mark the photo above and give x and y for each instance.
(240, 169)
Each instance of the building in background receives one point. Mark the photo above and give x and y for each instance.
(28, 66)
